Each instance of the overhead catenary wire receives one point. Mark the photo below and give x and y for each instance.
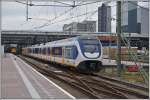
(32, 4)
(66, 5)
(65, 12)
(52, 22)
(109, 18)
(66, 19)
(20, 2)
(62, 3)
(138, 5)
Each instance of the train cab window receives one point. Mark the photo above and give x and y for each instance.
(71, 52)
(90, 45)
(48, 51)
(57, 51)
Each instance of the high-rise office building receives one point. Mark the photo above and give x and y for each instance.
(134, 19)
(104, 18)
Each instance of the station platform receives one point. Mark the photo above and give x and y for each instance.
(109, 62)
(20, 81)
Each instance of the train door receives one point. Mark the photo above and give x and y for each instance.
(70, 55)
(48, 54)
(63, 55)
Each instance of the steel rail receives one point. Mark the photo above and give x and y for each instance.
(96, 88)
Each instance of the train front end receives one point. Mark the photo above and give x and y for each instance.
(91, 54)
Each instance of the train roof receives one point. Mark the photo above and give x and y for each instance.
(63, 41)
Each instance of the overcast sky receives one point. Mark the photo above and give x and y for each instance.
(14, 16)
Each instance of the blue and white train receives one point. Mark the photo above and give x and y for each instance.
(83, 53)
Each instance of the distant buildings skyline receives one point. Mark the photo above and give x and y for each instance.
(85, 26)
(134, 19)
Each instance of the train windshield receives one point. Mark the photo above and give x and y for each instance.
(90, 45)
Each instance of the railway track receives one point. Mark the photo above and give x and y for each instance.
(94, 86)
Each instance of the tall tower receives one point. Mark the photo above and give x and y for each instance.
(104, 18)
(134, 19)
(129, 17)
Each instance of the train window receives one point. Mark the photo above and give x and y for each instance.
(31, 50)
(57, 51)
(90, 45)
(68, 53)
(91, 48)
(36, 50)
(48, 51)
(71, 52)
(44, 51)
(39, 50)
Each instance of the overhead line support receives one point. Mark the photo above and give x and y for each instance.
(26, 10)
(119, 38)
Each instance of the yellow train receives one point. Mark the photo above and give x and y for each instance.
(13, 50)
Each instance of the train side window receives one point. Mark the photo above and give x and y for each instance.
(32, 50)
(36, 50)
(48, 51)
(44, 51)
(68, 53)
(71, 52)
(57, 51)
(40, 51)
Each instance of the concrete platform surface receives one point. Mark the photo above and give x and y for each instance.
(20, 81)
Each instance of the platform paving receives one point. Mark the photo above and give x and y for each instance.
(21, 81)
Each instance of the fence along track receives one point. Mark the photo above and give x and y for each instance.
(90, 85)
